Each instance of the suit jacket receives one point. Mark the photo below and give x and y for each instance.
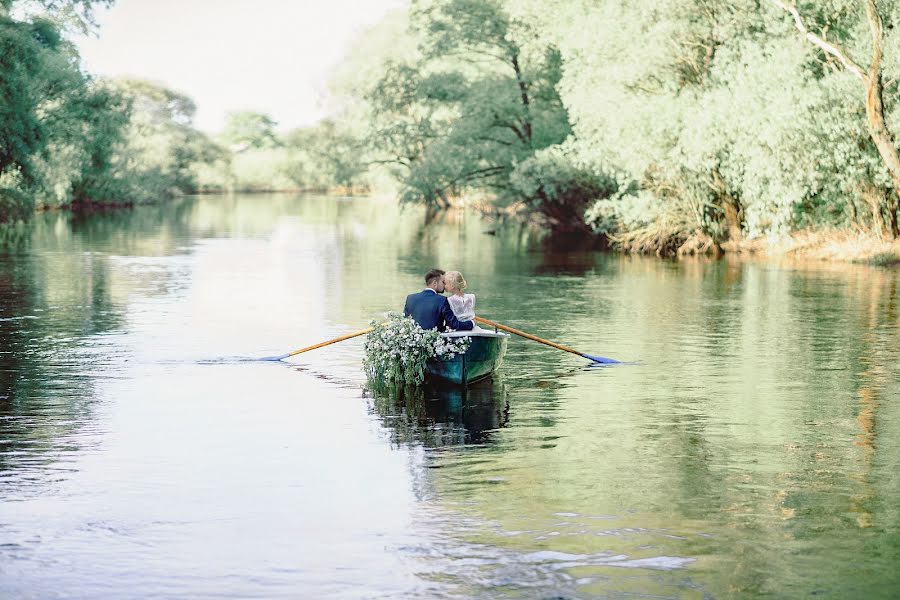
(430, 310)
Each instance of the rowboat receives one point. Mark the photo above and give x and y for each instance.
(484, 355)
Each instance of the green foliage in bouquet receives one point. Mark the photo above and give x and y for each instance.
(397, 350)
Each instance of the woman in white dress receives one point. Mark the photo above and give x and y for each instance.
(462, 304)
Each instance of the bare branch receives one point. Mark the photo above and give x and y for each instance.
(824, 45)
(485, 138)
(519, 133)
(390, 161)
(875, 26)
(469, 176)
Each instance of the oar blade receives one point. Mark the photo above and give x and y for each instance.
(600, 360)
(273, 358)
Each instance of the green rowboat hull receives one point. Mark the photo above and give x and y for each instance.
(484, 355)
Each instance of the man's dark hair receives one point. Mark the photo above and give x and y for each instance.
(432, 275)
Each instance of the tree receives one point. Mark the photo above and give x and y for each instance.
(638, 94)
(721, 119)
(477, 99)
(98, 127)
(324, 157)
(841, 23)
(29, 75)
(249, 130)
(161, 145)
(557, 185)
(37, 80)
(69, 139)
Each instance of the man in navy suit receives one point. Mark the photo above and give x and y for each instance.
(431, 310)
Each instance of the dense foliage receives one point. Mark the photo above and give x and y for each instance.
(397, 350)
(726, 118)
(67, 139)
(661, 124)
(469, 110)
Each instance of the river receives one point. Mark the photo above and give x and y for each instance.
(751, 449)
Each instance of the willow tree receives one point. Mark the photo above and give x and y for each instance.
(721, 119)
(468, 112)
(834, 28)
(642, 91)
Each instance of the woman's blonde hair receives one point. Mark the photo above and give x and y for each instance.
(455, 280)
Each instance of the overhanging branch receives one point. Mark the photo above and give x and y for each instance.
(825, 46)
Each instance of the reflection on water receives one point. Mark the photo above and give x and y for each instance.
(752, 453)
(52, 329)
(439, 415)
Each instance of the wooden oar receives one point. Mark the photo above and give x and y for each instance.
(319, 345)
(597, 359)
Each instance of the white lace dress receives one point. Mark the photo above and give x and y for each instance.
(464, 308)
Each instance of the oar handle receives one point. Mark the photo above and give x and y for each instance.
(334, 341)
(527, 335)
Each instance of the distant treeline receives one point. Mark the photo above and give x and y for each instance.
(68, 139)
(660, 125)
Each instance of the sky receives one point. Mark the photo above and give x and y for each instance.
(271, 56)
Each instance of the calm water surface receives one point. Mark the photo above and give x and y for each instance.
(754, 451)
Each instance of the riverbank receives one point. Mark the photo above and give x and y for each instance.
(91, 206)
(335, 191)
(833, 245)
(836, 245)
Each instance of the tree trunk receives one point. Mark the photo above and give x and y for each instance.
(888, 151)
(893, 216)
(733, 219)
(875, 198)
(854, 214)
(431, 213)
(878, 129)
(526, 101)
(444, 201)
(731, 207)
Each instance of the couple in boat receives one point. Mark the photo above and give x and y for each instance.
(431, 310)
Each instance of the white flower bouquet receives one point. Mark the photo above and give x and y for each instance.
(397, 350)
